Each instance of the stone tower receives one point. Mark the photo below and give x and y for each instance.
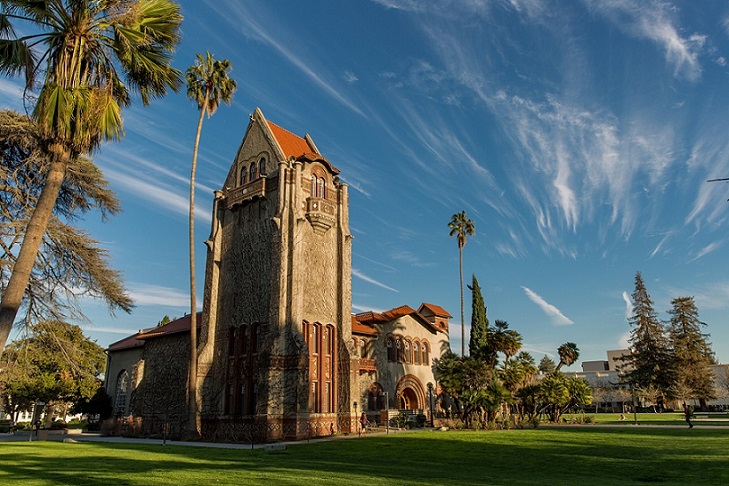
(274, 361)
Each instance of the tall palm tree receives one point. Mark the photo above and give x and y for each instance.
(207, 84)
(90, 54)
(568, 354)
(461, 227)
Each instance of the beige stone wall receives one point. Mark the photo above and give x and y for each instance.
(273, 261)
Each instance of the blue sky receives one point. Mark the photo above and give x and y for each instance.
(577, 135)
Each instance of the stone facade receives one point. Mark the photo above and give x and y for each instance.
(276, 354)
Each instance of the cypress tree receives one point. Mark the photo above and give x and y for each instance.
(478, 345)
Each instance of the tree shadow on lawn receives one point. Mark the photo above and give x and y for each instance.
(561, 456)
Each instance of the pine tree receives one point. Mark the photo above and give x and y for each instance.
(692, 351)
(547, 365)
(650, 364)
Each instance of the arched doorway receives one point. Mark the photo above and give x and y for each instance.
(408, 400)
(410, 393)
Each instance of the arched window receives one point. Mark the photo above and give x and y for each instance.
(122, 383)
(253, 172)
(416, 352)
(321, 188)
(362, 348)
(262, 166)
(243, 174)
(398, 345)
(390, 351)
(407, 352)
(424, 352)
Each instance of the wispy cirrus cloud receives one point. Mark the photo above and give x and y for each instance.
(655, 20)
(628, 306)
(151, 190)
(371, 280)
(148, 294)
(555, 315)
(238, 15)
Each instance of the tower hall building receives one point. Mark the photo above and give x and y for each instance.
(280, 354)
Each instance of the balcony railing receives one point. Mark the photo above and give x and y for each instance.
(366, 365)
(247, 192)
(320, 213)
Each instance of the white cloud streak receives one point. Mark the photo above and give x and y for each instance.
(148, 294)
(554, 314)
(655, 21)
(362, 276)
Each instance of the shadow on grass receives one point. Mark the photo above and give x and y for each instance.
(587, 455)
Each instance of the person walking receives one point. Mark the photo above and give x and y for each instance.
(687, 414)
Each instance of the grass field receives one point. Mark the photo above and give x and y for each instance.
(567, 455)
(667, 418)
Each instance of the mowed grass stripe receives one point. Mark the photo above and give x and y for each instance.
(584, 455)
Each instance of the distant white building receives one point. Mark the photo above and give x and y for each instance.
(603, 375)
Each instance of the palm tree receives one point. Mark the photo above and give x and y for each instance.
(461, 227)
(568, 354)
(207, 84)
(85, 50)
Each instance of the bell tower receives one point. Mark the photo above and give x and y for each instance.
(274, 361)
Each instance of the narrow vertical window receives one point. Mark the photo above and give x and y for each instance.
(262, 166)
(243, 173)
(390, 350)
(253, 172)
(231, 342)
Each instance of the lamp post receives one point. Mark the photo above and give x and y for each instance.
(430, 395)
(356, 418)
(387, 413)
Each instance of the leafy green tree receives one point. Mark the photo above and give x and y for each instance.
(650, 363)
(90, 53)
(692, 351)
(461, 227)
(519, 371)
(559, 393)
(70, 262)
(56, 363)
(165, 320)
(504, 340)
(547, 365)
(569, 353)
(478, 345)
(208, 84)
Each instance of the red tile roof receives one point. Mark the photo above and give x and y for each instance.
(362, 328)
(292, 145)
(435, 309)
(178, 325)
(130, 342)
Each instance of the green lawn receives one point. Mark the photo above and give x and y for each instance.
(568, 455)
(667, 418)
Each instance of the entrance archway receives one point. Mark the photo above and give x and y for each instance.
(410, 393)
(408, 399)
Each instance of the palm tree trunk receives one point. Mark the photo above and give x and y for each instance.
(194, 428)
(463, 324)
(32, 240)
